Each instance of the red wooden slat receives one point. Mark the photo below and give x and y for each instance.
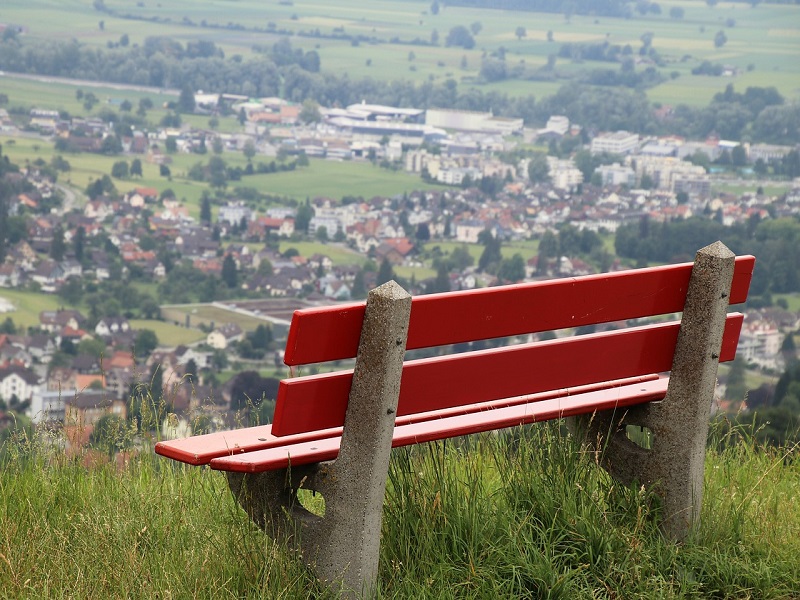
(453, 426)
(319, 401)
(201, 449)
(332, 333)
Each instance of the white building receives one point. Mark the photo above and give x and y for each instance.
(616, 174)
(618, 142)
(233, 213)
(18, 382)
(558, 124)
(564, 175)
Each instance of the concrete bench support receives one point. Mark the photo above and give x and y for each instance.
(342, 547)
(674, 464)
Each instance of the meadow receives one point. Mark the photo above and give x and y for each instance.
(523, 514)
(763, 41)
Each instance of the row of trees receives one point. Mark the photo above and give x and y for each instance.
(776, 243)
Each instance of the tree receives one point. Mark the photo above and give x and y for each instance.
(538, 169)
(171, 144)
(520, 32)
(186, 100)
(720, 39)
(512, 269)
(145, 342)
(310, 112)
(676, 12)
(229, 272)
(435, 7)
(217, 146)
(205, 209)
(476, 27)
(164, 171)
(385, 272)
(491, 255)
(548, 249)
(550, 37)
(249, 149)
(460, 36)
(124, 40)
(136, 168)
(303, 217)
(191, 370)
(58, 246)
(78, 242)
(739, 156)
(119, 170)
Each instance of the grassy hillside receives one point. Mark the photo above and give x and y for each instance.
(522, 515)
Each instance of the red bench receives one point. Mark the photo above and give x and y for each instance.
(353, 418)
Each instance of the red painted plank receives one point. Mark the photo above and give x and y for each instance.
(201, 449)
(319, 401)
(453, 426)
(332, 333)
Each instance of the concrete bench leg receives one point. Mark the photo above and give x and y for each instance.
(679, 423)
(342, 548)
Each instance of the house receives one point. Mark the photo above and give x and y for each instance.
(49, 275)
(222, 336)
(10, 275)
(395, 250)
(18, 382)
(41, 347)
(184, 354)
(85, 408)
(55, 321)
(85, 363)
(111, 326)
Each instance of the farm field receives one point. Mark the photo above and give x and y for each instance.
(763, 41)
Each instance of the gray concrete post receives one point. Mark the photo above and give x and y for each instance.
(342, 547)
(675, 463)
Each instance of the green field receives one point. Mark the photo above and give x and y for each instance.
(207, 314)
(28, 305)
(764, 39)
(169, 334)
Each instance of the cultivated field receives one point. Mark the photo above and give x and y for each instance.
(763, 42)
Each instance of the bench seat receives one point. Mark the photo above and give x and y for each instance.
(436, 425)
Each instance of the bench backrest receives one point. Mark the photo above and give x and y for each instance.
(332, 333)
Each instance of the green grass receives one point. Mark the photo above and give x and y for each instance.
(792, 301)
(339, 254)
(206, 314)
(169, 334)
(27, 305)
(331, 179)
(518, 515)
